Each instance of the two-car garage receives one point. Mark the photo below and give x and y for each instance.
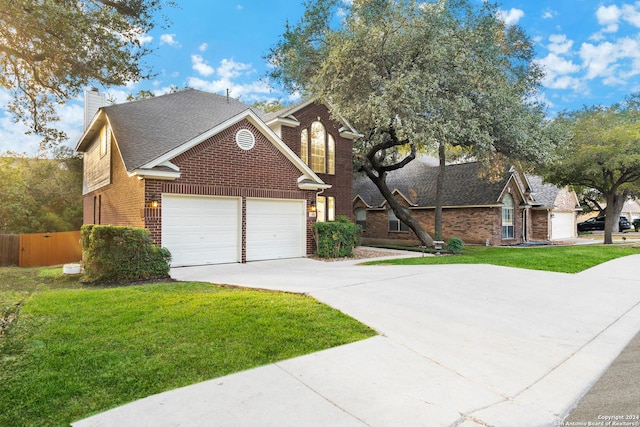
(200, 230)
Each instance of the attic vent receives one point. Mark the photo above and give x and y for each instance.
(245, 139)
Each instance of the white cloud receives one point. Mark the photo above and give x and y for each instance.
(229, 69)
(169, 39)
(599, 59)
(235, 77)
(13, 135)
(548, 14)
(510, 17)
(560, 44)
(631, 14)
(609, 18)
(200, 65)
(203, 47)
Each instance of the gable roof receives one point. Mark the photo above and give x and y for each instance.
(543, 194)
(151, 132)
(147, 129)
(464, 185)
(287, 117)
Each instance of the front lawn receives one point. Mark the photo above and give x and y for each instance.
(562, 259)
(75, 351)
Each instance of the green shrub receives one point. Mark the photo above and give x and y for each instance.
(118, 254)
(336, 239)
(455, 245)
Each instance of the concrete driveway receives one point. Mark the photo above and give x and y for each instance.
(459, 345)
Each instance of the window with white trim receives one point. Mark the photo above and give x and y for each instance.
(304, 146)
(318, 148)
(325, 208)
(318, 136)
(395, 224)
(331, 208)
(361, 218)
(105, 135)
(507, 217)
(331, 155)
(321, 209)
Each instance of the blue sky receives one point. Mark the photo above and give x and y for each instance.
(590, 50)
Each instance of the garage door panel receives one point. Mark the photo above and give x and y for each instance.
(563, 225)
(275, 229)
(201, 230)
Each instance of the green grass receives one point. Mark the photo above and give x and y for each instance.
(77, 350)
(562, 259)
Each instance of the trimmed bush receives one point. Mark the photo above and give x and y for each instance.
(336, 239)
(122, 254)
(455, 245)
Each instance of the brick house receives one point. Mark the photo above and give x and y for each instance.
(214, 179)
(508, 210)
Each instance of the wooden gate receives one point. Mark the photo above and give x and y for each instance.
(49, 248)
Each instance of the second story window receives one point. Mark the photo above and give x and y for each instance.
(304, 146)
(318, 149)
(318, 144)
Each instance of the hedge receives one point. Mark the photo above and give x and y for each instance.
(336, 239)
(120, 254)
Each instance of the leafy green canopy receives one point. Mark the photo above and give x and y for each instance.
(40, 195)
(603, 154)
(51, 50)
(442, 71)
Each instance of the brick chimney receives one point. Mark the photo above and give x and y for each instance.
(93, 100)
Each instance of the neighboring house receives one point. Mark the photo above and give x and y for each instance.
(479, 209)
(630, 210)
(213, 179)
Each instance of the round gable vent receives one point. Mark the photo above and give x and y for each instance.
(245, 139)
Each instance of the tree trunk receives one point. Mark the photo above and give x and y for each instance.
(440, 190)
(376, 167)
(401, 212)
(615, 203)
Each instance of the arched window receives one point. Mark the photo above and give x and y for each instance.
(507, 217)
(318, 145)
(304, 146)
(322, 147)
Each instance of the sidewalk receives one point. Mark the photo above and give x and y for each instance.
(616, 394)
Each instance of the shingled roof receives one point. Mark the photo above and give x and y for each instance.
(147, 129)
(465, 185)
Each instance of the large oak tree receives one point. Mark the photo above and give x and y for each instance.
(411, 74)
(602, 155)
(50, 50)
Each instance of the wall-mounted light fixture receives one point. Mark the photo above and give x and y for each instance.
(153, 202)
(312, 209)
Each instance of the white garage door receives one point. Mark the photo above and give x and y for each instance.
(563, 225)
(201, 230)
(276, 228)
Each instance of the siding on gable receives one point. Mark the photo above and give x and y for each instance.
(96, 168)
(121, 201)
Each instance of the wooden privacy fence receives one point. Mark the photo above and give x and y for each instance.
(42, 249)
(9, 249)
